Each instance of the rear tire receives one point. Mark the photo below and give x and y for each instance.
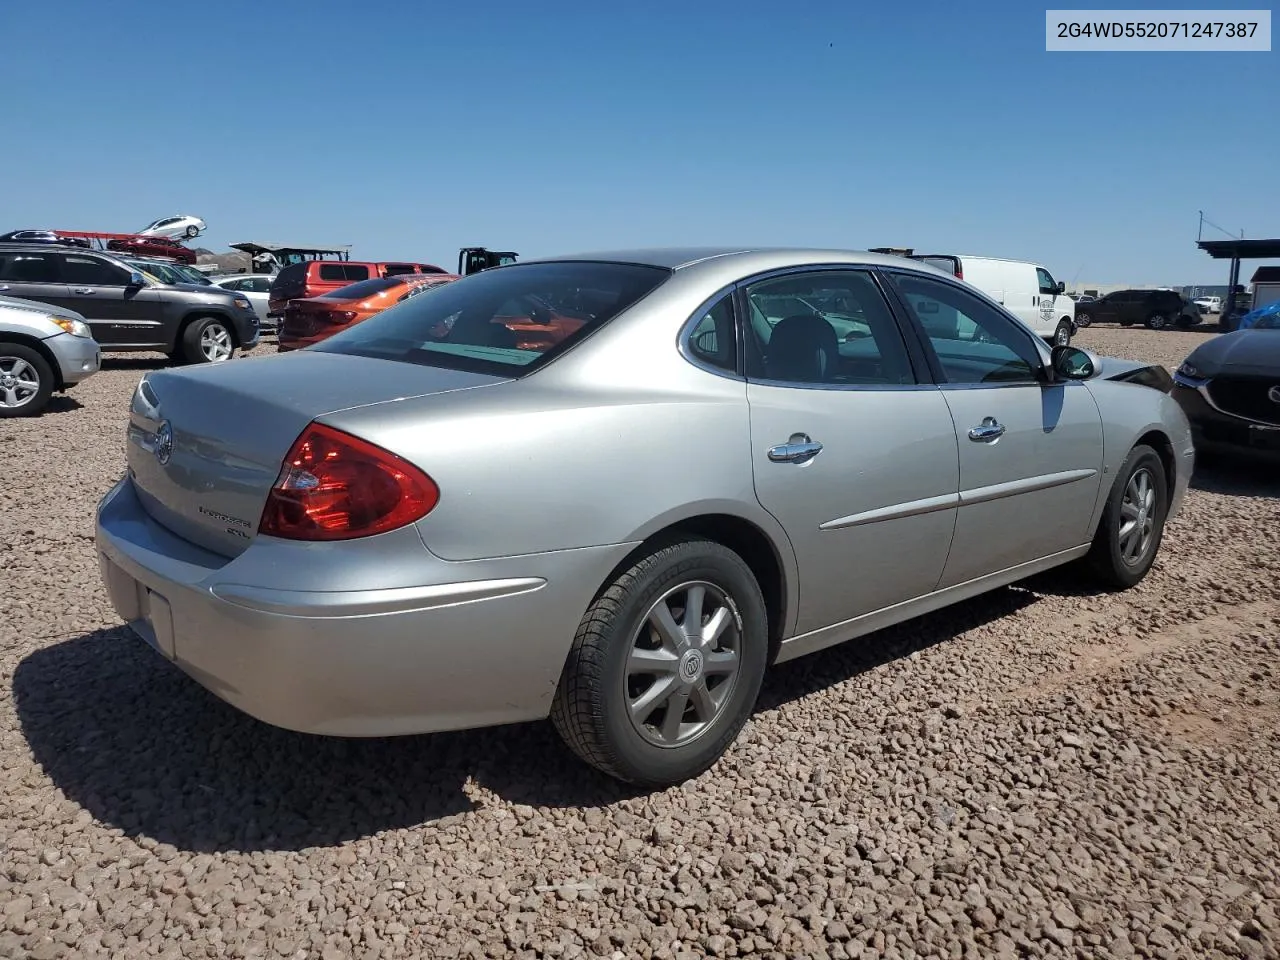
(26, 380)
(1062, 336)
(1157, 321)
(192, 232)
(634, 662)
(207, 340)
(1132, 525)
(1083, 319)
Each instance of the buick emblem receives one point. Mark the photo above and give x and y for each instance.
(1274, 394)
(163, 447)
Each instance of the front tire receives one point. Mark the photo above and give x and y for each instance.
(192, 232)
(207, 340)
(1062, 336)
(26, 381)
(1132, 525)
(666, 666)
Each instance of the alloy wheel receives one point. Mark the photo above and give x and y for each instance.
(1137, 517)
(19, 382)
(683, 664)
(215, 343)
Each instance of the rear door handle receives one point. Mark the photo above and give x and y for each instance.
(82, 290)
(799, 449)
(989, 431)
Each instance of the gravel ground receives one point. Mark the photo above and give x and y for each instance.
(1043, 771)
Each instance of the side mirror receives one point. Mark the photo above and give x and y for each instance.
(1062, 287)
(136, 279)
(1071, 363)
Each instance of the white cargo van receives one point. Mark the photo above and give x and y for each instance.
(1027, 290)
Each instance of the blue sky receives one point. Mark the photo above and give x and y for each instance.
(558, 126)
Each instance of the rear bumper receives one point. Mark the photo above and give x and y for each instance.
(78, 357)
(470, 644)
(1214, 431)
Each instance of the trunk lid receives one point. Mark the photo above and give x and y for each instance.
(205, 444)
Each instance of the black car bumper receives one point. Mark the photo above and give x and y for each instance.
(1213, 431)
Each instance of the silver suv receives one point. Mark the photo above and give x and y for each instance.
(42, 349)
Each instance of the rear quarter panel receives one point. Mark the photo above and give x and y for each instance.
(527, 470)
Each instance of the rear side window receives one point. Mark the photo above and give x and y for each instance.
(504, 322)
(400, 269)
(346, 272)
(29, 267)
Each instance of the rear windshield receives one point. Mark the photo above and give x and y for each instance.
(365, 288)
(351, 272)
(504, 321)
(289, 281)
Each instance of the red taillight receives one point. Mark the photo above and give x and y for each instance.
(959, 272)
(336, 316)
(333, 486)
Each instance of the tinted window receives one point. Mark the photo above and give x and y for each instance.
(459, 325)
(29, 267)
(824, 327)
(400, 269)
(92, 270)
(333, 271)
(974, 342)
(365, 288)
(713, 340)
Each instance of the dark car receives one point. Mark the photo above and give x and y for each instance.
(1229, 388)
(126, 310)
(43, 236)
(1157, 309)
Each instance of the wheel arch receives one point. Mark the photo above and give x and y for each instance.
(771, 562)
(36, 344)
(199, 313)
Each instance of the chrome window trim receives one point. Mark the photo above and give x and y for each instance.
(685, 335)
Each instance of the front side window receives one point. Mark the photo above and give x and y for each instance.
(29, 267)
(974, 342)
(824, 327)
(504, 322)
(1047, 283)
(90, 270)
(713, 339)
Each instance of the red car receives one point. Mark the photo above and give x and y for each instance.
(160, 247)
(309, 320)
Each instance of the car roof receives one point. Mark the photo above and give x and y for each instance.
(743, 259)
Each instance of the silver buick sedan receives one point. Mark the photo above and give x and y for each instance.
(615, 488)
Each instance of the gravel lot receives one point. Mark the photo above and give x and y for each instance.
(1040, 772)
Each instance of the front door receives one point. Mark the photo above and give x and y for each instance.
(1045, 303)
(854, 457)
(119, 314)
(1030, 453)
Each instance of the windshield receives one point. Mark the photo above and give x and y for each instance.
(192, 275)
(362, 288)
(162, 271)
(503, 321)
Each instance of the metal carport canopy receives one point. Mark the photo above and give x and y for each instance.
(1241, 249)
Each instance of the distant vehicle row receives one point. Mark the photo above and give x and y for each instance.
(129, 309)
(42, 350)
(1156, 309)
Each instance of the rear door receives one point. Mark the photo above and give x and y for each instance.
(850, 452)
(1030, 453)
(33, 276)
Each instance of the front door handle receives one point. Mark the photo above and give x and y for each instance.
(85, 290)
(799, 449)
(989, 431)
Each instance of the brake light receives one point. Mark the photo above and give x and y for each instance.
(959, 271)
(333, 486)
(336, 316)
